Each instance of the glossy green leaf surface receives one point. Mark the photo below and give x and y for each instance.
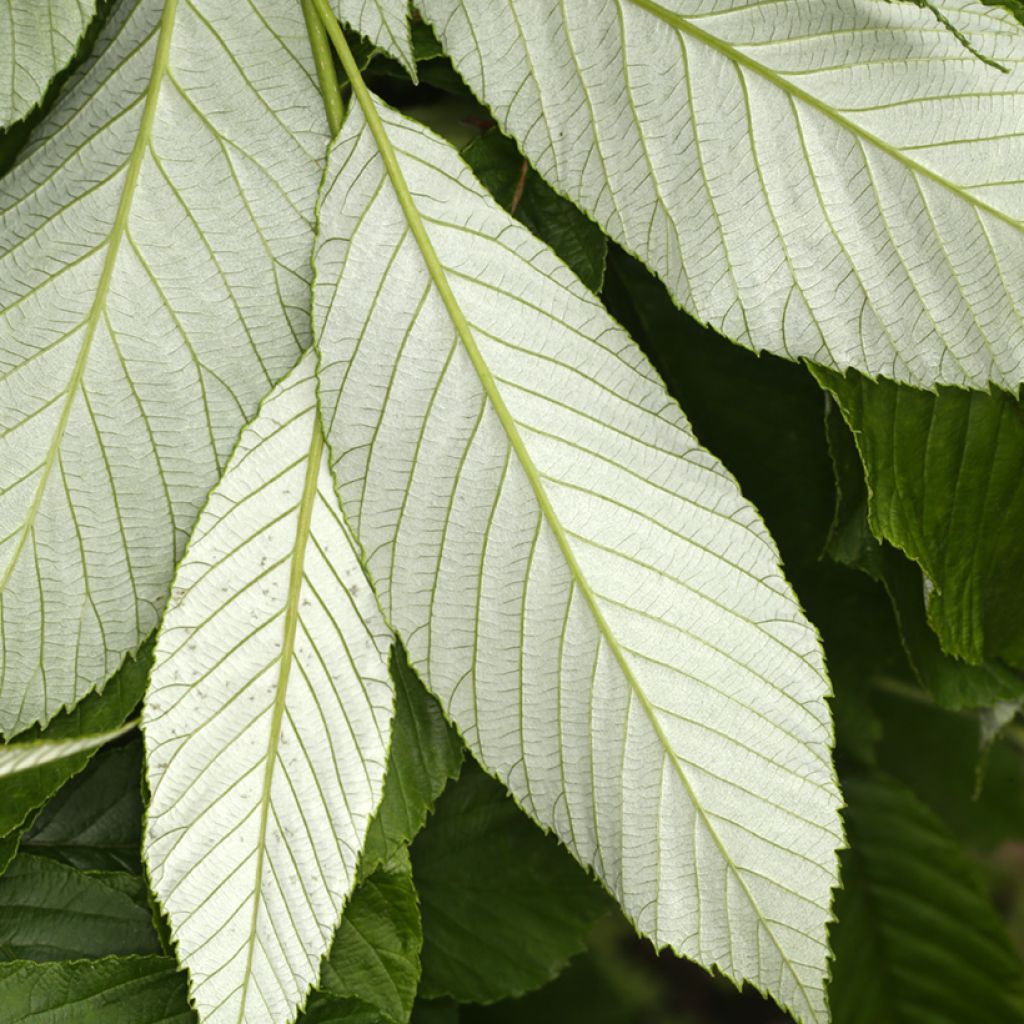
(375, 957)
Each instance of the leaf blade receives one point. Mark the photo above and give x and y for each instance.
(274, 646)
(800, 158)
(126, 369)
(34, 50)
(449, 452)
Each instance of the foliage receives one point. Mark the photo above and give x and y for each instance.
(379, 641)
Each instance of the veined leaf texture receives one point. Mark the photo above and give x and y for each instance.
(38, 38)
(585, 589)
(838, 181)
(154, 263)
(267, 723)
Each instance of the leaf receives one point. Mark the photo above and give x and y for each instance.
(916, 939)
(138, 989)
(820, 181)
(94, 822)
(503, 907)
(936, 754)
(952, 683)
(49, 911)
(944, 474)
(326, 1010)
(266, 723)
(425, 753)
(522, 191)
(385, 22)
(98, 713)
(375, 957)
(21, 757)
(129, 366)
(34, 46)
(643, 681)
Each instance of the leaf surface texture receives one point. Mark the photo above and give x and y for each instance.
(266, 723)
(917, 939)
(839, 181)
(598, 609)
(37, 39)
(154, 248)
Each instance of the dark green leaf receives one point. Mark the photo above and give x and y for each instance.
(49, 911)
(935, 753)
(952, 683)
(945, 474)
(323, 1009)
(425, 753)
(504, 906)
(375, 956)
(518, 187)
(22, 793)
(917, 939)
(128, 990)
(95, 821)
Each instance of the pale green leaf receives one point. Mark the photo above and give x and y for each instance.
(917, 939)
(50, 911)
(385, 23)
(122, 990)
(839, 180)
(599, 610)
(154, 264)
(522, 191)
(37, 39)
(266, 723)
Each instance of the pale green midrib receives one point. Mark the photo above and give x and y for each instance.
(114, 238)
(737, 56)
(440, 281)
(291, 622)
(335, 114)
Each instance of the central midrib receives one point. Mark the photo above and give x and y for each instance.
(114, 239)
(463, 329)
(780, 81)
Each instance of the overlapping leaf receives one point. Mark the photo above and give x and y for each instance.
(266, 723)
(916, 938)
(37, 39)
(139, 989)
(945, 476)
(154, 246)
(598, 608)
(386, 22)
(834, 180)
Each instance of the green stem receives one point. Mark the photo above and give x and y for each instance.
(334, 106)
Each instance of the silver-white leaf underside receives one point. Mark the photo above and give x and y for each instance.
(266, 723)
(384, 22)
(38, 38)
(154, 250)
(584, 587)
(839, 181)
